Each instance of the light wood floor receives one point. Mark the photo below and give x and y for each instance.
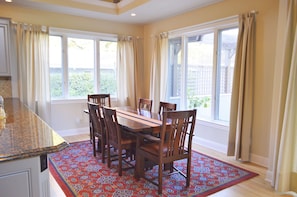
(255, 187)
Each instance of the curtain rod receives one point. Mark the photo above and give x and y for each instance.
(254, 12)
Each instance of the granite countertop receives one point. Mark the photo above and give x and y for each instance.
(25, 134)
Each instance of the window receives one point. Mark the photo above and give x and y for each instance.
(200, 72)
(81, 64)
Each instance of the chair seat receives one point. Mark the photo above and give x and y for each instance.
(153, 148)
(127, 140)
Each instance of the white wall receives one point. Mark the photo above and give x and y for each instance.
(69, 118)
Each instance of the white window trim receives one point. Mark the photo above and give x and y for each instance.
(205, 27)
(78, 33)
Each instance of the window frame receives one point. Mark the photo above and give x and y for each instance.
(77, 34)
(215, 27)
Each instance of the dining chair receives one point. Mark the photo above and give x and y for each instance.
(118, 139)
(101, 100)
(98, 129)
(165, 106)
(145, 104)
(174, 143)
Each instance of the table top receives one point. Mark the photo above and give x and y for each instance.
(26, 134)
(135, 121)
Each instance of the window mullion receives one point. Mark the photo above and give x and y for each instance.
(65, 67)
(97, 66)
(184, 73)
(215, 77)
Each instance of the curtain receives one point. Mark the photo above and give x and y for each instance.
(241, 112)
(139, 67)
(284, 122)
(32, 43)
(126, 72)
(159, 70)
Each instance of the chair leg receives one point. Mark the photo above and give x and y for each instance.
(108, 155)
(91, 131)
(160, 179)
(188, 172)
(94, 146)
(99, 145)
(120, 161)
(103, 150)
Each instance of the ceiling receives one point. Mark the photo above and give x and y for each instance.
(146, 11)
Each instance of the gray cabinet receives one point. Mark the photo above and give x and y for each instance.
(4, 48)
(24, 178)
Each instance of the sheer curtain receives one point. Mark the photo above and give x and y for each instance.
(126, 72)
(159, 70)
(283, 121)
(241, 113)
(32, 42)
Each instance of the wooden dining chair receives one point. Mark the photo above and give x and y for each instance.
(165, 106)
(174, 143)
(145, 104)
(118, 139)
(98, 129)
(101, 100)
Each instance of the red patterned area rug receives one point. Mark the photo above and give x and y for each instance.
(79, 173)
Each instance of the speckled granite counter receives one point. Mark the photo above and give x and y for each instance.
(26, 135)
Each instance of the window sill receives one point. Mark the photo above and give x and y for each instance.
(213, 123)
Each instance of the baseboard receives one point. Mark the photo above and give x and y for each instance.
(268, 177)
(71, 132)
(259, 160)
(210, 144)
(294, 182)
(256, 159)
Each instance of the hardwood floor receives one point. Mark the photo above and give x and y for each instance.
(255, 187)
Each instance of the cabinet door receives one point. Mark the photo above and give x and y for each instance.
(4, 48)
(15, 184)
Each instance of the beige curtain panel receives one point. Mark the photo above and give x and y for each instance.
(159, 67)
(31, 47)
(241, 113)
(126, 71)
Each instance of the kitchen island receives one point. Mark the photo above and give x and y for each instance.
(24, 144)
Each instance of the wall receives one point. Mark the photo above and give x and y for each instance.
(266, 25)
